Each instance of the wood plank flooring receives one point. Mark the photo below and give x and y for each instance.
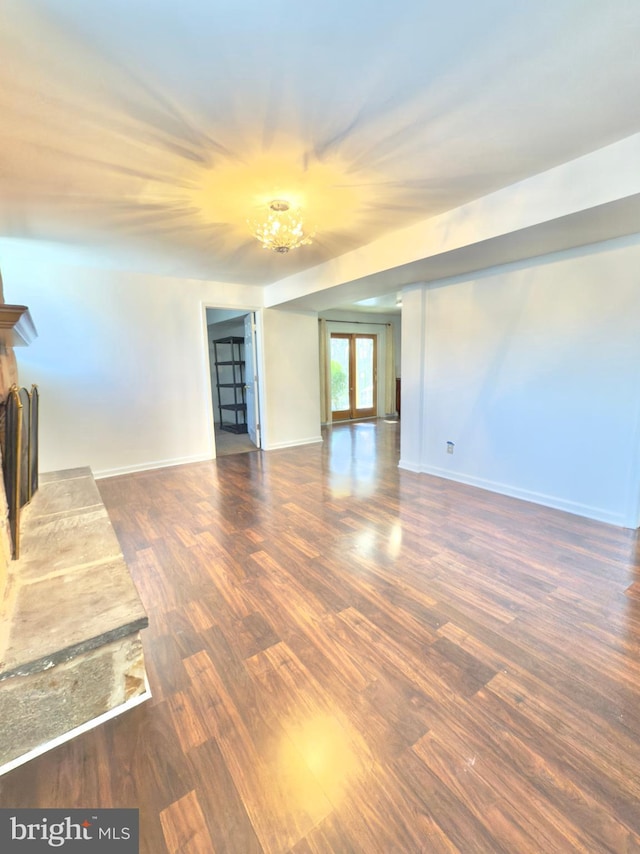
(346, 657)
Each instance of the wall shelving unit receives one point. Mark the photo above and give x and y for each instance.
(230, 384)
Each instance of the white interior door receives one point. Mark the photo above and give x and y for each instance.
(251, 378)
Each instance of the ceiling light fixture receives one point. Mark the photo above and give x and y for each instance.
(281, 229)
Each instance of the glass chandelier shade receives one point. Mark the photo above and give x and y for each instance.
(281, 229)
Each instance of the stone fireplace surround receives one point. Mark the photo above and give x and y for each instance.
(70, 616)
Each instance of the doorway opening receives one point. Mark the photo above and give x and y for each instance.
(354, 376)
(233, 366)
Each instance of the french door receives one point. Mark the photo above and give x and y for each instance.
(354, 376)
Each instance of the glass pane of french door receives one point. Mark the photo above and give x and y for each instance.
(364, 373)
(340, 373)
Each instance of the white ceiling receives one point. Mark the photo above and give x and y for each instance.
(149, 130)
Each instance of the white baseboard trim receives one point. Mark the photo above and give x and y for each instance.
(553, 501)
(85, 727)
(409, 466)
(150, 466)
(276, 446)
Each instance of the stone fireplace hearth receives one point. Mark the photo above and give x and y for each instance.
(71, 650)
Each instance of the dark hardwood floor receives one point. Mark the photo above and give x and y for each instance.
(346, 657)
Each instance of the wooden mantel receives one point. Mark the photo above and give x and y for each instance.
(17, 329)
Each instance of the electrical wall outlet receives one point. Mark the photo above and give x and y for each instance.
(450, 447)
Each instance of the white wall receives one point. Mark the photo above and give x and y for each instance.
(121, 361)
(533, 371)
(413, 377)
(291, 379)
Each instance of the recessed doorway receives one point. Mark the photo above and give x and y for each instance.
(354, 376)
(233, 365)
